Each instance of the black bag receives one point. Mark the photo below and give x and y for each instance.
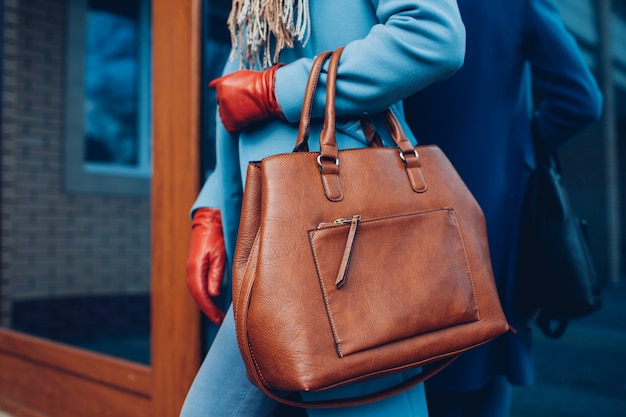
(556, 278)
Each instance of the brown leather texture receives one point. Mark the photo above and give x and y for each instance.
(356, 263)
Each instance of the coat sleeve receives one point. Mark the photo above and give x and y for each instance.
(415, 44)
(567, 95)
(224, 183)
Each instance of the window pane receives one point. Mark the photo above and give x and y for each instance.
(75, 263)
(111, 62)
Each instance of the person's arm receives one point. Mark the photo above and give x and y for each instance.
(207, 258)
(568, 95)
(416, 43)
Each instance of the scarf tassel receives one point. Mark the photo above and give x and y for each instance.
(255, 24)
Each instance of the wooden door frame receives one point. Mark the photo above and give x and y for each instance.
(43, 378)
(175, 184)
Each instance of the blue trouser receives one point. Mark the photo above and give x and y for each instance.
(221, 389)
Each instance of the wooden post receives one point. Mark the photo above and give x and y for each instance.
(175, 183)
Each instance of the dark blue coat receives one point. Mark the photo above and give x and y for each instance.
(481, 118)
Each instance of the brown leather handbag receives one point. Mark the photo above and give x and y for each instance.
(358, 263)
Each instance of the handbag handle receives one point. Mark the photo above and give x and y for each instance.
(328, 158)
(307, 104)
(373, 139)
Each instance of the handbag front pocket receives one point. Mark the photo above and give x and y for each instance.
(367, 307)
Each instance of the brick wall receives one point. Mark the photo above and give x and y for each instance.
(55, 243)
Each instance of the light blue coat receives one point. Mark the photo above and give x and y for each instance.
(393, 48)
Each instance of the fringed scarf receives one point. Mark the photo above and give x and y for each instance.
(258, 25)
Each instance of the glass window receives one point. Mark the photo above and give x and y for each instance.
(75, 244)
(111, 70)
(108, 103)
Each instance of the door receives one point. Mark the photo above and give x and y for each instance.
(67, 226)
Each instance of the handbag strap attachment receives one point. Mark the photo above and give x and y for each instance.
(408, 153)
(328, 158)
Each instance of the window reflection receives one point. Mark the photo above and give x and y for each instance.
(111, 63)
(76, 244)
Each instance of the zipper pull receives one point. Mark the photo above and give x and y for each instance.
(342, 274)
(346, 220)
(340, 221)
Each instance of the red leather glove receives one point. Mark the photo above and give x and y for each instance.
(245, 97)
(206, 261)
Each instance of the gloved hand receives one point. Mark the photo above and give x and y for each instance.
(206, 261)
(245, 97)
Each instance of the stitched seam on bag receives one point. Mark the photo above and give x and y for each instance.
(256, 238)
(326, 185)
(254, 361)
(391, 217)
(256, 365)
(453, 214)
(235, 300)
(241, 287)
(324, 294)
